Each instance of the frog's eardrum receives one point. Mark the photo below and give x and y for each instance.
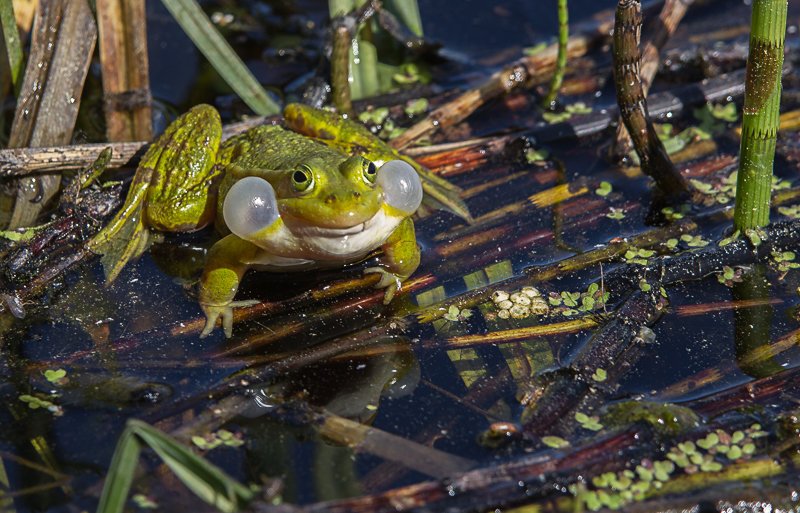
(401, 186)
(250, 206)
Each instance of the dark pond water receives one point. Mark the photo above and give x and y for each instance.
(426, 382)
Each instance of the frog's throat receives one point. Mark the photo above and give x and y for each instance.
(299, 239)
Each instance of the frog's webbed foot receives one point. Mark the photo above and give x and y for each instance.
(170, 190)
(125, 237)
(223, 312)
(389, 281)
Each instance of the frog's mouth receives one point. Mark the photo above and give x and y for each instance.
(305, 229)
(319, 231)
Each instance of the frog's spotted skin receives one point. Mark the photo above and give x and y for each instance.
(287, 203)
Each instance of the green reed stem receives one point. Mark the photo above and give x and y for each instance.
(561, 58)
(760, 118)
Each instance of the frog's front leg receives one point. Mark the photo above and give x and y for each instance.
(399, 260)
(225, 266)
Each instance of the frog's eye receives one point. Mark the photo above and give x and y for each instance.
(303, 179)
(401, 186)
(250, 206)
(369, 171)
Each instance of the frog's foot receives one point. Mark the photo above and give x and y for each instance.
(123, 240)
(389, 281)
(126, 237)
(223, 312)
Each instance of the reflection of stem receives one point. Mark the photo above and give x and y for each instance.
(558, 238)
(751, 325)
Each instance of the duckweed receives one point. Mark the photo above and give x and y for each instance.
(217, 439)
(554, 442)
(591, 423)
(55, 376)
(604, 189)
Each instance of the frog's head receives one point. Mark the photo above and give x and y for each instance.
(338, 195)
(312, 194)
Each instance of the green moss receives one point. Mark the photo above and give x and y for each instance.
(668, 420)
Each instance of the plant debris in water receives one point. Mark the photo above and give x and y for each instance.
(583, 343)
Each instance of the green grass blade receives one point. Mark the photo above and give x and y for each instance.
(406, 11)
(120, 473)
(207, 481)
(13, 47)
(341, 7)
(364, 71)
(202, 32)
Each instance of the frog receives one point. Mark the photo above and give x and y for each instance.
(320, 192)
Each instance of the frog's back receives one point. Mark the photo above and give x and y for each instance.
(272, 147)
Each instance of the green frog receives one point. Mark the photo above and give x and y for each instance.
(282, 201)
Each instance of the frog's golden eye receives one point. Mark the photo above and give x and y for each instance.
(369, 171)
(303, 179)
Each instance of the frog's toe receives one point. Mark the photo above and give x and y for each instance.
(389, 281)
(214, 312)
(388, 294)
(225, 313)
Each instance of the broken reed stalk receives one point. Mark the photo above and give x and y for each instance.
(760, 119)
(633, 104)
(346, 432)
(615, 348)
(757, 356)
(671, 15)
(61, 51)
(340, 68)
(126, 82)
(538, 273)
(561, 58)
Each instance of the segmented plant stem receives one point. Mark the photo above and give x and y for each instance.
(761, 110)
(633, 104)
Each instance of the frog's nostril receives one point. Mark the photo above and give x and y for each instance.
(357, 195)
(330, 199)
